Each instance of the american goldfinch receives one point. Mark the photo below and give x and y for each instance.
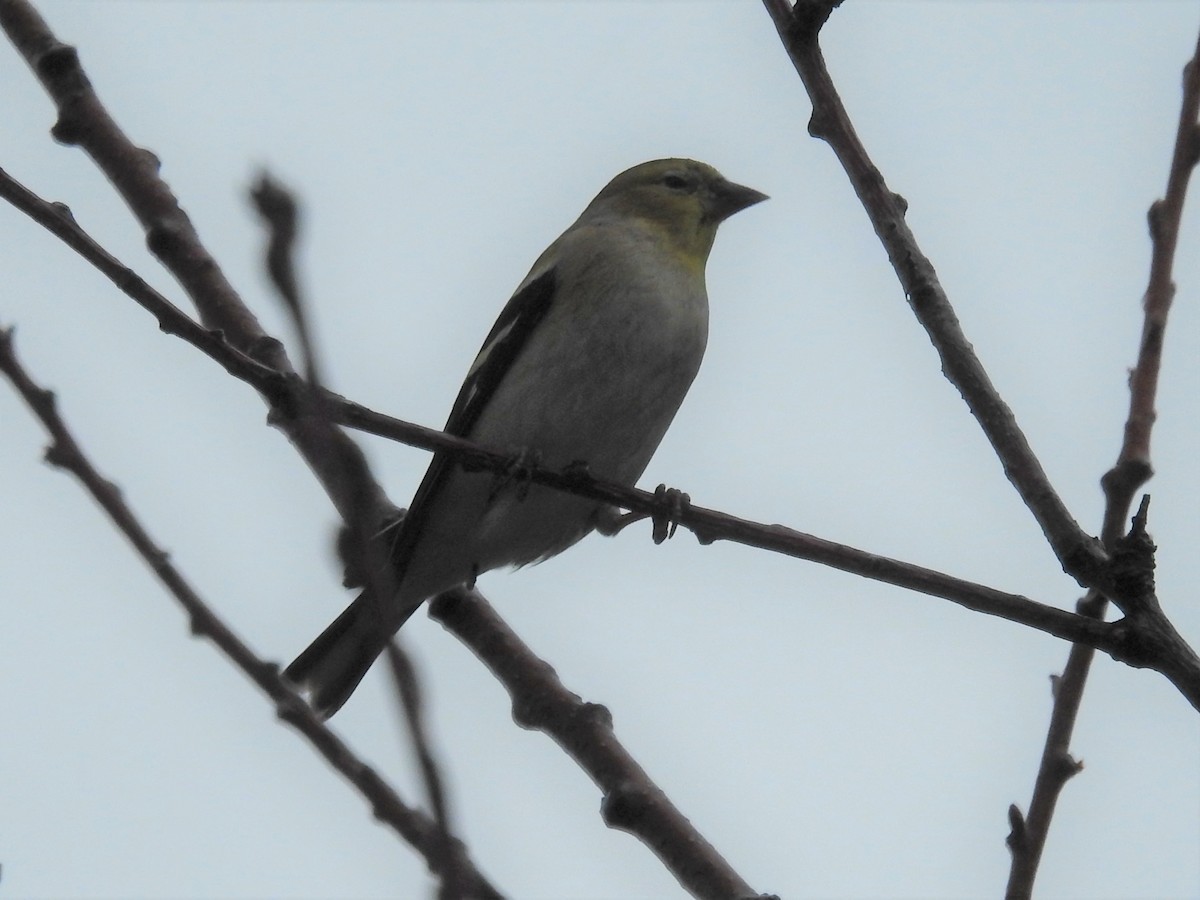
(588, 362)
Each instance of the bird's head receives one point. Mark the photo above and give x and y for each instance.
(686, 199)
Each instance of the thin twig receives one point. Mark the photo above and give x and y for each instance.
(1131, 470)
(59, 221)
(64, 452)
(362, 553)
(281, 213)
(408, 690)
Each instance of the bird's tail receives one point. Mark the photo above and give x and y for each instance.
(331, 667)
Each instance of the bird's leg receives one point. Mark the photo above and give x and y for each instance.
(672, 504)
(607, 520)
(610, 521)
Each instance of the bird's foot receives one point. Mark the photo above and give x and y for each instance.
(517, 473)
(672, 503)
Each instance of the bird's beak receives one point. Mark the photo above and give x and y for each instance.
(729, 198)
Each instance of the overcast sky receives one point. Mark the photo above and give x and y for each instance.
(833, 737)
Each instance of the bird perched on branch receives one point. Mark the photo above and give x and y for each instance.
(588, 362)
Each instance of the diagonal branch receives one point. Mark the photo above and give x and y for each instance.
(412, 825)
(632, 802)
(59, 221)
(1081, 556)
(412, 706)
(83, 121)
(1128, 643)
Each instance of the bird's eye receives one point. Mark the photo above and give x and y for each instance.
(676, 182)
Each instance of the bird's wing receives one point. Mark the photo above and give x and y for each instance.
(508, 337)
(518, 320)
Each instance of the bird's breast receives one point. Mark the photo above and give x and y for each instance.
(604, 373)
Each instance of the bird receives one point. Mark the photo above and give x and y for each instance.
(588, 363)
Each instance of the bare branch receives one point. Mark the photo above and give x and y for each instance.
(84, 122)
(632, 802)
(1131, 470)
(64, 452)
(361, 553)
(408, 690)
(281, 213)
(133, 171)
(1081, 556)
(58, 220)
(711, 525)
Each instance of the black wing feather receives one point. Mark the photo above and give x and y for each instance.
(510, 335)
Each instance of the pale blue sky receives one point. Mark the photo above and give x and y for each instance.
(832, 737)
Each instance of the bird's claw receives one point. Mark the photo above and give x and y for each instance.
(672, 503)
